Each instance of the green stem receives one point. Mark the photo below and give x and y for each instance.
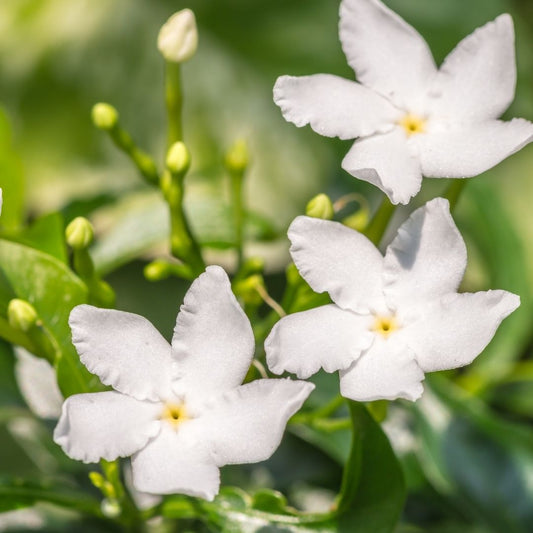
(380, 221)
(130, 515)
(144, 163)
(182, 243)
(174, 102)
(100, 293)
(238, 213)
(454, 191)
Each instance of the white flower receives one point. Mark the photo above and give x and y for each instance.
(180, 410)
(394, 317)
(412, 120)
(178, 37)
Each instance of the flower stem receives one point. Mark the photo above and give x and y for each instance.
(380, 221)
(182, 243)
(453, 192)
(174, 102)
(238, 213)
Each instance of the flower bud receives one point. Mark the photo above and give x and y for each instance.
(79, 233)
(320, 207)
(21, 315)
(178, 158)
(178, 37)
(105, 116)
(237, 158)
(110, 508)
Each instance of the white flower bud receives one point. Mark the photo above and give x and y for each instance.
(178, 37)
(21, 315)
(79, 233)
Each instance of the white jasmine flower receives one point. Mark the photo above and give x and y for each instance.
(179, 410)
(412, 120)
(178, 37)
(394, 317)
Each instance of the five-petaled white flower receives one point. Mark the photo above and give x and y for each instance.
(180, 410)
(412, 120)
(394, 317)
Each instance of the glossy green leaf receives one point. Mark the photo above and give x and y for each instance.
(373, 490)
(46, 234)
(496, 239)
(53, 290)
(18, 493)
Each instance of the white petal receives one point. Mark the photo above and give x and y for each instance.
(124, 350)
(213, 342)
(37, 383)
(466, 151)
(174, 463)
(388, 370)
(427, 258)
(334, 258)
(477, 80)
(387, 54)
(333, 106)
(388, 162)
(456, 329)
(325, 337)
(246, 424)
(105, 425)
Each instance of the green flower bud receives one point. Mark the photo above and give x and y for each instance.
(105, 116)
(79, 233)
(21, 315)
(320, 207)
(178, 158)
(358, 220)
(178, 37)
(97, 479)
(237, 157)
(157, 270)
(247, 289)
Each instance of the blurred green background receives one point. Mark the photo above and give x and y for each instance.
(468, 448)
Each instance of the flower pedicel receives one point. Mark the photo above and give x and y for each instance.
(179, 410)
(412, 120)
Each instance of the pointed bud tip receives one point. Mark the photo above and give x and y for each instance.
(178, 37)
(79, 233)
(21, 315)
(105, 116)
(320, 207)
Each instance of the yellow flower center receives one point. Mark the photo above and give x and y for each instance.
(174, 414)
(413, 124)
(385, 325)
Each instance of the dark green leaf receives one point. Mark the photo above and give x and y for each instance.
(373, 491)
(18, 493)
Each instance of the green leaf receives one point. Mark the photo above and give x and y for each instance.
(46, 234)
(495, 237)
(18, 493)
(53, 290)
(373, 490)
